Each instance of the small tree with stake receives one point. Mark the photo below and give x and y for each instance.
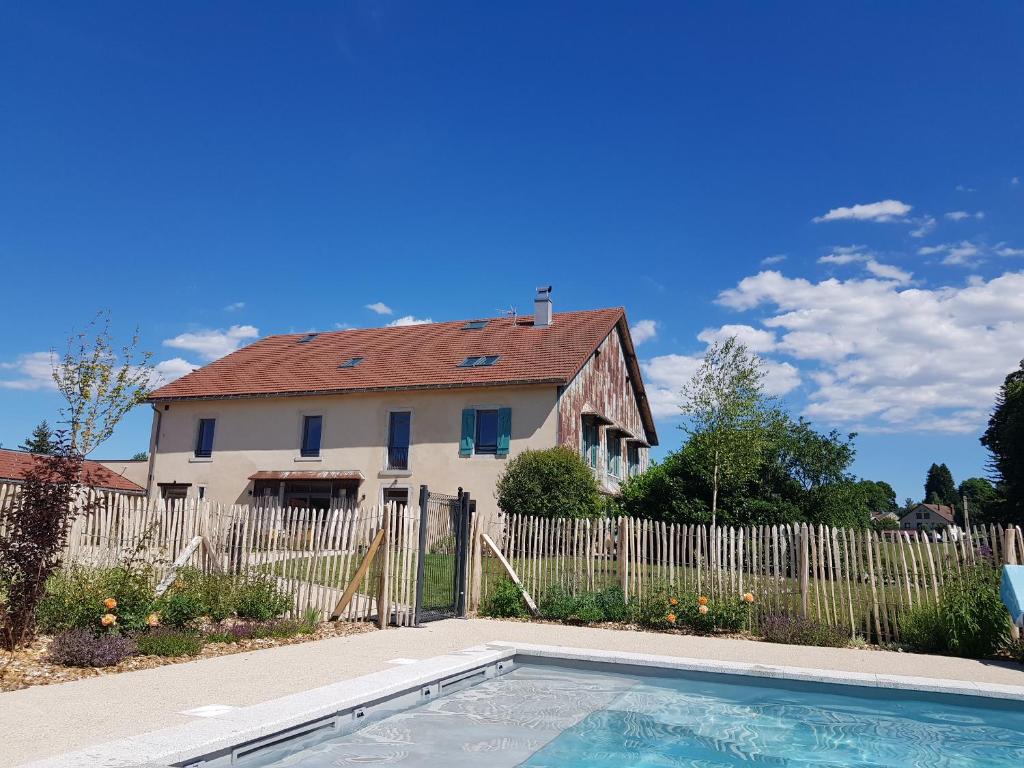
(99, 388)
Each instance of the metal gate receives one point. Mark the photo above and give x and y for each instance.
(443, 563)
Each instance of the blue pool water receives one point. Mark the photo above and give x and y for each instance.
(556, 717)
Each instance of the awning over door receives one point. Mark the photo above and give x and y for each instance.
(307, 475)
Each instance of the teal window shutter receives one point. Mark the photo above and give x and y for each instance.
(468, 432)
(504, 430)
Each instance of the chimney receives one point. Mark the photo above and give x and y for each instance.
(542, 307)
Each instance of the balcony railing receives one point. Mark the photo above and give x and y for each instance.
(398, 458)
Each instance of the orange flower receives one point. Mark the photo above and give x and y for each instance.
(153, 620)
(671, 618)
(110, 603)
(673, 601)
(703, 609)
(702, 600)
(108, 620)
(748, 597)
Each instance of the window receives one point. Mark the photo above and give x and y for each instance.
(204, 438)
(174, 494)
(398, 439)
(486, 440)
(202, 492)
(399, 496)
(632, 459)
(474, 325)
(308, 338)
(479, 361)
(312, 426)
(352, 362)
(591, 442)
(614, 454)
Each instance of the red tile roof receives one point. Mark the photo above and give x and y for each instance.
(412, 357)
(14, 465)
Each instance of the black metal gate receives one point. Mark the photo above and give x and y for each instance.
(443, 564)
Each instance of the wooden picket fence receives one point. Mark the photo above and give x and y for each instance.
(856, 579)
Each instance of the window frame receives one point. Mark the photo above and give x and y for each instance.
(591, 450)
(387, 446)
(305, 452)
(613, 468)
(197, 451)
(476, 432)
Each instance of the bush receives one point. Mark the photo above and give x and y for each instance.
(84, 648)
(259, 597)
(554, 482)
(505, 601)
(970, 619)
(179, 607)
(74, 598)
(612, 603)
(588, 610)
(217, 593)
(1016, 649)
(556, 603)
(169, 642)
(795, 629)
(661, 608)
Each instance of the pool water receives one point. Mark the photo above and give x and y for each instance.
(555, 717)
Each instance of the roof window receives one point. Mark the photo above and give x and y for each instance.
(474, 325)
(352, 362)
(308, 338)
(479, 361)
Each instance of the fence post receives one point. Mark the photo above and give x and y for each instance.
(1010, 558)
(622, 556)
(421, 557)
(805, 574)
(462, 558)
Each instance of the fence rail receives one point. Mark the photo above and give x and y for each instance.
(857, 579)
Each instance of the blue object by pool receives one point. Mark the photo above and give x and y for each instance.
(1011, 590)
(560, 717)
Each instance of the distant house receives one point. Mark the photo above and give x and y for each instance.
(367, 415)
(879, 516)
(14, 466)
(927, 517)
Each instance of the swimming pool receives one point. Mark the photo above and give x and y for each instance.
(504, 705)
(554, 716)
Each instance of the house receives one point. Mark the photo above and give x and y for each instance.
(927, 517)
(14, 466)
(368, 415)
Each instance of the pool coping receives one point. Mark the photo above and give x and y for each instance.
(192, 741)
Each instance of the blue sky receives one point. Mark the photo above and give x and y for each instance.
(838, 184)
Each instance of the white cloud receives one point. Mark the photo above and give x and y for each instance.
(845, 254)
(887, 271)
(924, 225)
(1004, 250)
(964, 253)
(1015, 180)
(33, 370)
(963, 188)
(776, 259)
(212, 344)
(755, 339)
(235, 306)
(409, 320)
(883, 210)
(644, 330)
(167, 371)
(380, 308)
(961, 215)
(890, 357)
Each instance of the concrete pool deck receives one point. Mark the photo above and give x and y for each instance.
(49, 720)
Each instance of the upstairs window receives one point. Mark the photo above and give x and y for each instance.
(352, 362)
(591, 442)
(486, 431)
(614, 453)
(308, 338)
(486, 440)
(475, 325)
(312, 426)
(632, 459)
(398, 439)
(204, 438)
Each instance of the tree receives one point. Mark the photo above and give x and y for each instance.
(1004, 439)
(554, 482)
(939, 487)
(99, 387)
(879, 495)
(41, 440)
(727, 414)
(982, 500)
(140, 456)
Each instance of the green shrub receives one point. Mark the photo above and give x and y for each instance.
(554, 482)
(258, 597)
(1016, 649)
(556, 603)
(650, 609)
(169, 642)
(970, 619)
(612, 603)
(179, 608)
(74, 598)
(310, 621)
(217, 593)
(505, 601)
(794, 629)
(665, 608)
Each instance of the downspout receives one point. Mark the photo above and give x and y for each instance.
(154, 444)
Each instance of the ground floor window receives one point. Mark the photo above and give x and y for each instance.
(398, 496)
(174, 493)
(307, 494)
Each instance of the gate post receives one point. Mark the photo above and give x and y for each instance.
(421, 560)
(462, 557)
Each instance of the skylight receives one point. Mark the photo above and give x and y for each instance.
(352, 362)
(479, 361)
(308, 338)
(474, 325)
